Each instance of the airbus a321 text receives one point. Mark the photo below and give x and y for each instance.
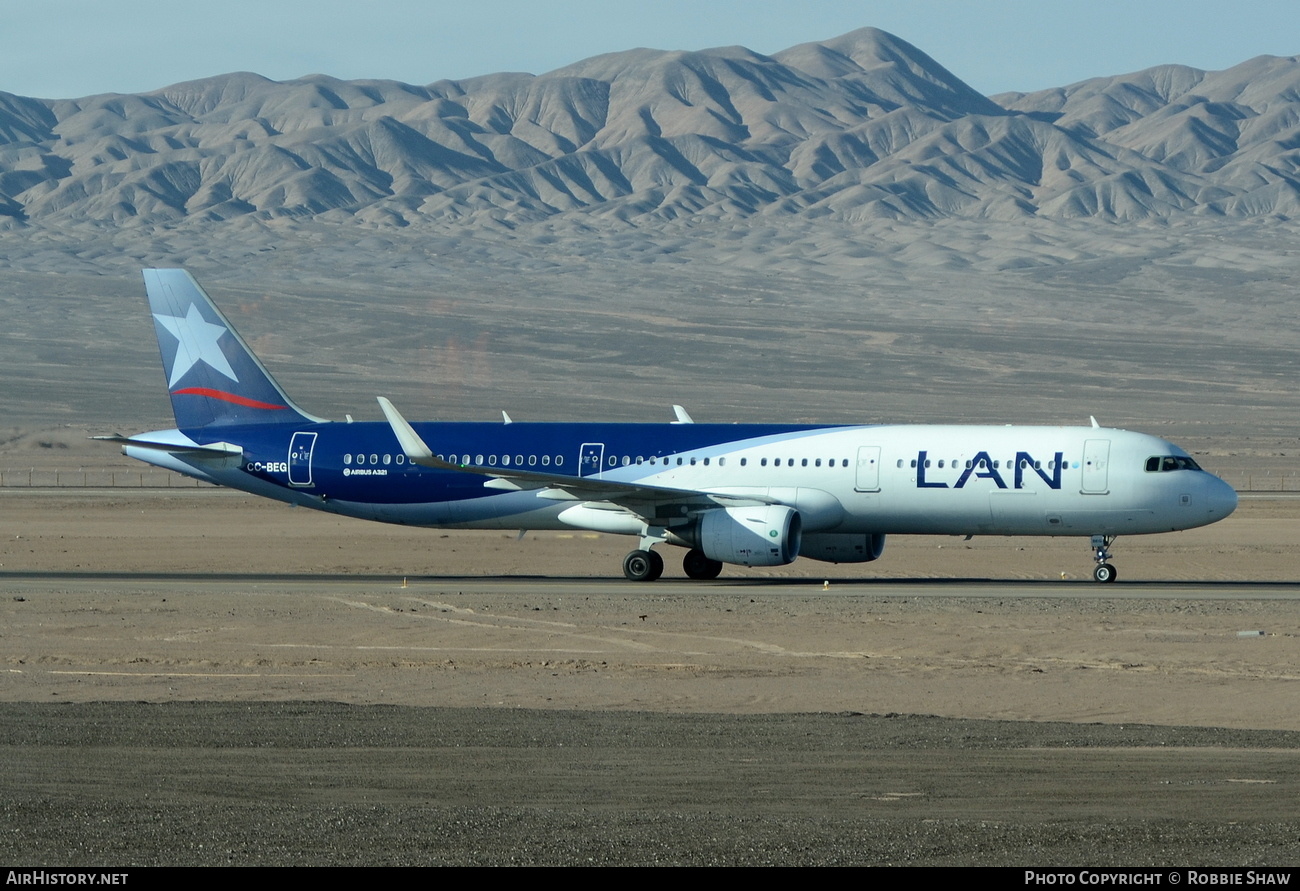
(747, 494)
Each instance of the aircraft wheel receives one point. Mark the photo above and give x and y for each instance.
(639, 566)
(1105, 573)
(698, 566)
(656, 565)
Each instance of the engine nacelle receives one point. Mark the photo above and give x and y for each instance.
(764, 535)
(832, 547)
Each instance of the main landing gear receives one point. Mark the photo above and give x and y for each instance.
(645, 565)
(700, 567)
(1103, 572)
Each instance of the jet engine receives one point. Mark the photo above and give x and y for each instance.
(764, 535)
(842, 547)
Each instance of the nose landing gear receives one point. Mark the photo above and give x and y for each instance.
(1103, 572)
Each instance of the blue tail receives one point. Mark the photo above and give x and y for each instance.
(212, 375)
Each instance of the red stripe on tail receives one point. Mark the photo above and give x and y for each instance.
(226, 397)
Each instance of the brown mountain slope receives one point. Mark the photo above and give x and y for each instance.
(859, 127)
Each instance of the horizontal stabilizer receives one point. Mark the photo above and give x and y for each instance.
(210, 450)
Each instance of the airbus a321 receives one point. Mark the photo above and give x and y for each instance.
(746, 494)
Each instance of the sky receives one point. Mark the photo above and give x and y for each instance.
(58, 49)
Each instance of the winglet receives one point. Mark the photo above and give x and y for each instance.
(415, 448)
(682, 416)
(1094, 421)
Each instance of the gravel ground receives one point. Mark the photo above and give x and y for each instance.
(325, 783)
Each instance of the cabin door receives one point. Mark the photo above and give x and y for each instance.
(590, 457)
(1096, 460)
(300, 449)
(868, 479)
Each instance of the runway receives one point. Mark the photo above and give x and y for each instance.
(1082, 589)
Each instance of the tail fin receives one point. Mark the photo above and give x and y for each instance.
(212, 375)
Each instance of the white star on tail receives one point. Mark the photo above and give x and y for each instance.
(197, 342)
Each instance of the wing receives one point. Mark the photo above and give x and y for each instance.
(645, 501)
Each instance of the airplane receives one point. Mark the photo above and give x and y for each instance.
(744, 494)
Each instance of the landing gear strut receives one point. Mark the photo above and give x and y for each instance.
(1103, 572)
(643, 566)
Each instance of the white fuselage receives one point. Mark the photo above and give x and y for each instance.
(918, 479)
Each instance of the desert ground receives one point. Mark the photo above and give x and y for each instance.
(211, 595)
(195, 676)
(192, 676)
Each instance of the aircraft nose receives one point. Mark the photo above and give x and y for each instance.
(1221, 499)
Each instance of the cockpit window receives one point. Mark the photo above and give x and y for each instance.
(1166, 463)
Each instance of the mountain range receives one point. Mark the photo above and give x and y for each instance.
(861, 127)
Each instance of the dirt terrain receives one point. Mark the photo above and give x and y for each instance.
(192, 676)
(199, 677)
